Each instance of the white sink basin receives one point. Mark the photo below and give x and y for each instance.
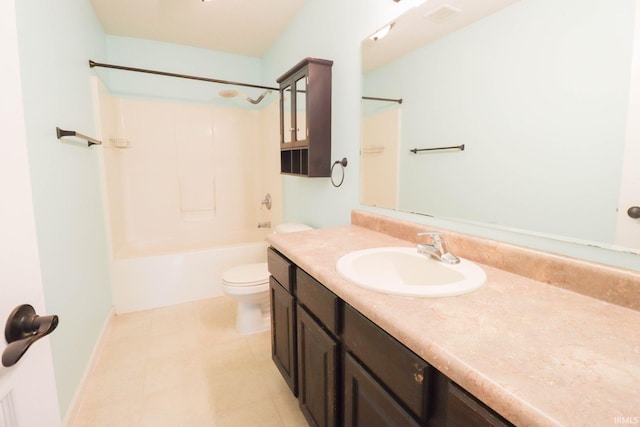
(403, 271)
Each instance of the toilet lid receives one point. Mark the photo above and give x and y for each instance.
(247, 275)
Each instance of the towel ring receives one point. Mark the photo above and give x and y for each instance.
(343, 164)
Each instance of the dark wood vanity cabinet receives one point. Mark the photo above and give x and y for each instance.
(283, 318)
(401, 377)
(367, 403)
(318, 355)
(465, 410)
(305, 119)
(319, 351)
(347, 371)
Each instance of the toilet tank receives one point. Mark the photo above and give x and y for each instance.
(290, 227)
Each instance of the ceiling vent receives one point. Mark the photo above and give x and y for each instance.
(442, 13)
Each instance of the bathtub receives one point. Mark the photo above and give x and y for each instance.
(144, 278)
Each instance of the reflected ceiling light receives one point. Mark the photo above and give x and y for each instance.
(381, 32)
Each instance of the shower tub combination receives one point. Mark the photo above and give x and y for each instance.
(183, 195)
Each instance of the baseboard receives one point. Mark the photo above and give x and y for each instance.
(74, 407)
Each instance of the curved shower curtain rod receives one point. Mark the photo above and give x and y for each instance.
(93, 64)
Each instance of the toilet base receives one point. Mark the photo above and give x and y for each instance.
(253, 318)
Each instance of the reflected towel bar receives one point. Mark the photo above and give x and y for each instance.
(372, 98)
(90, 141)
(455, 147)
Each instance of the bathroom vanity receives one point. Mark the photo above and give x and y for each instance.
(347, 368)
(515, 352)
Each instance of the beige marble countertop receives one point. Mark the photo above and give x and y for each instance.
(537, 354)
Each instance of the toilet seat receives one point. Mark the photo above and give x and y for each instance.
(247, 276)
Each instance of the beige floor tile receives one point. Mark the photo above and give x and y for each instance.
(119, 355)
(186, 366)
(109, 387)
(272, 378)
(289, 411)
(124, 412)
(236, 389)
(257, 414)
(184, 406)
(168, 372)
(260, 345)
(225, 352)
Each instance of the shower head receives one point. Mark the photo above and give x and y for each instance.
(230, 93)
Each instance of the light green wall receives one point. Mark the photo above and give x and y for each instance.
(180, 59)
(330, 29)
(333, 29)
(56, 39)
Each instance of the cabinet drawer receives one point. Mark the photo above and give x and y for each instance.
(320, 301)
(465, 410)
(406, 375)
(280, 268)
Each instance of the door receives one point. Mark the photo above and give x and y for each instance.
(628, 228)
(28, 395)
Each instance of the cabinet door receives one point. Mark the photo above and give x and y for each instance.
(283, 338)
(286, 114)
(367, 403)
(293, 111)
(463, 410)
(300, 129)
(317, 369)
(402, 372)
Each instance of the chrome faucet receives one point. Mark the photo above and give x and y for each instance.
(438, 250)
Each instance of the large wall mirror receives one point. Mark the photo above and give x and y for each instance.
(538, 93)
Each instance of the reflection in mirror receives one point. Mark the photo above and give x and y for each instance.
(537, 91)
(379, 157)
(285, 113)
(301, 106)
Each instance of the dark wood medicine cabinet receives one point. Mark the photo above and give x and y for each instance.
(305, 119)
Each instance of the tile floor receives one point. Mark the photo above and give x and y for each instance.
(186, 366)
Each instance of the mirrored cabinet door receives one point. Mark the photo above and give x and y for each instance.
(286, 128)
(301, 131)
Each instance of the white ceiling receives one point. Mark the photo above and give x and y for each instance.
(244, 27)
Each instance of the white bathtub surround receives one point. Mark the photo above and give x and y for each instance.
(184, 195)
(193, 173)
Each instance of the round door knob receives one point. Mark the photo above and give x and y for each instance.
(634, 212)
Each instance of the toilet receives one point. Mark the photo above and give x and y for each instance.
(249, 285)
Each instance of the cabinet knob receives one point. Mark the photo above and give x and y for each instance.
(634, 212)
